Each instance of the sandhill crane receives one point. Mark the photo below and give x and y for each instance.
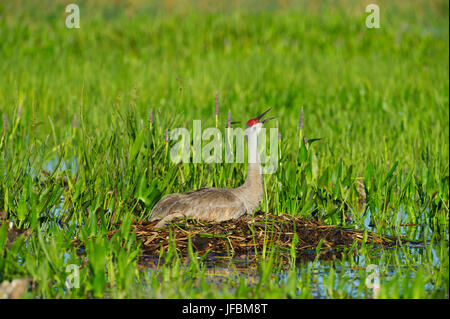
(219, 204)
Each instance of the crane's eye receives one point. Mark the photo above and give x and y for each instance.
(252, 122)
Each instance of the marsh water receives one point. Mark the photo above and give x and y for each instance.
(385, 262)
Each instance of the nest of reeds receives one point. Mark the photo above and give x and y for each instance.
(248, 236)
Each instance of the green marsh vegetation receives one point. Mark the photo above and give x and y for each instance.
(82, 147)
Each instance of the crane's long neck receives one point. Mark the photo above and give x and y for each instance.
(253, 156)
(252, 189)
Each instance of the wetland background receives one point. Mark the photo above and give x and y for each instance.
(84, 151)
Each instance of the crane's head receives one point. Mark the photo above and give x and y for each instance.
(255, 125)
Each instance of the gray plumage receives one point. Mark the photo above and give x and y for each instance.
(218, 204)
(212, 204)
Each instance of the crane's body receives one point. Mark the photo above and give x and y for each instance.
(218, 204)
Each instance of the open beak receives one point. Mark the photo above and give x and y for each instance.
(264, 121)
